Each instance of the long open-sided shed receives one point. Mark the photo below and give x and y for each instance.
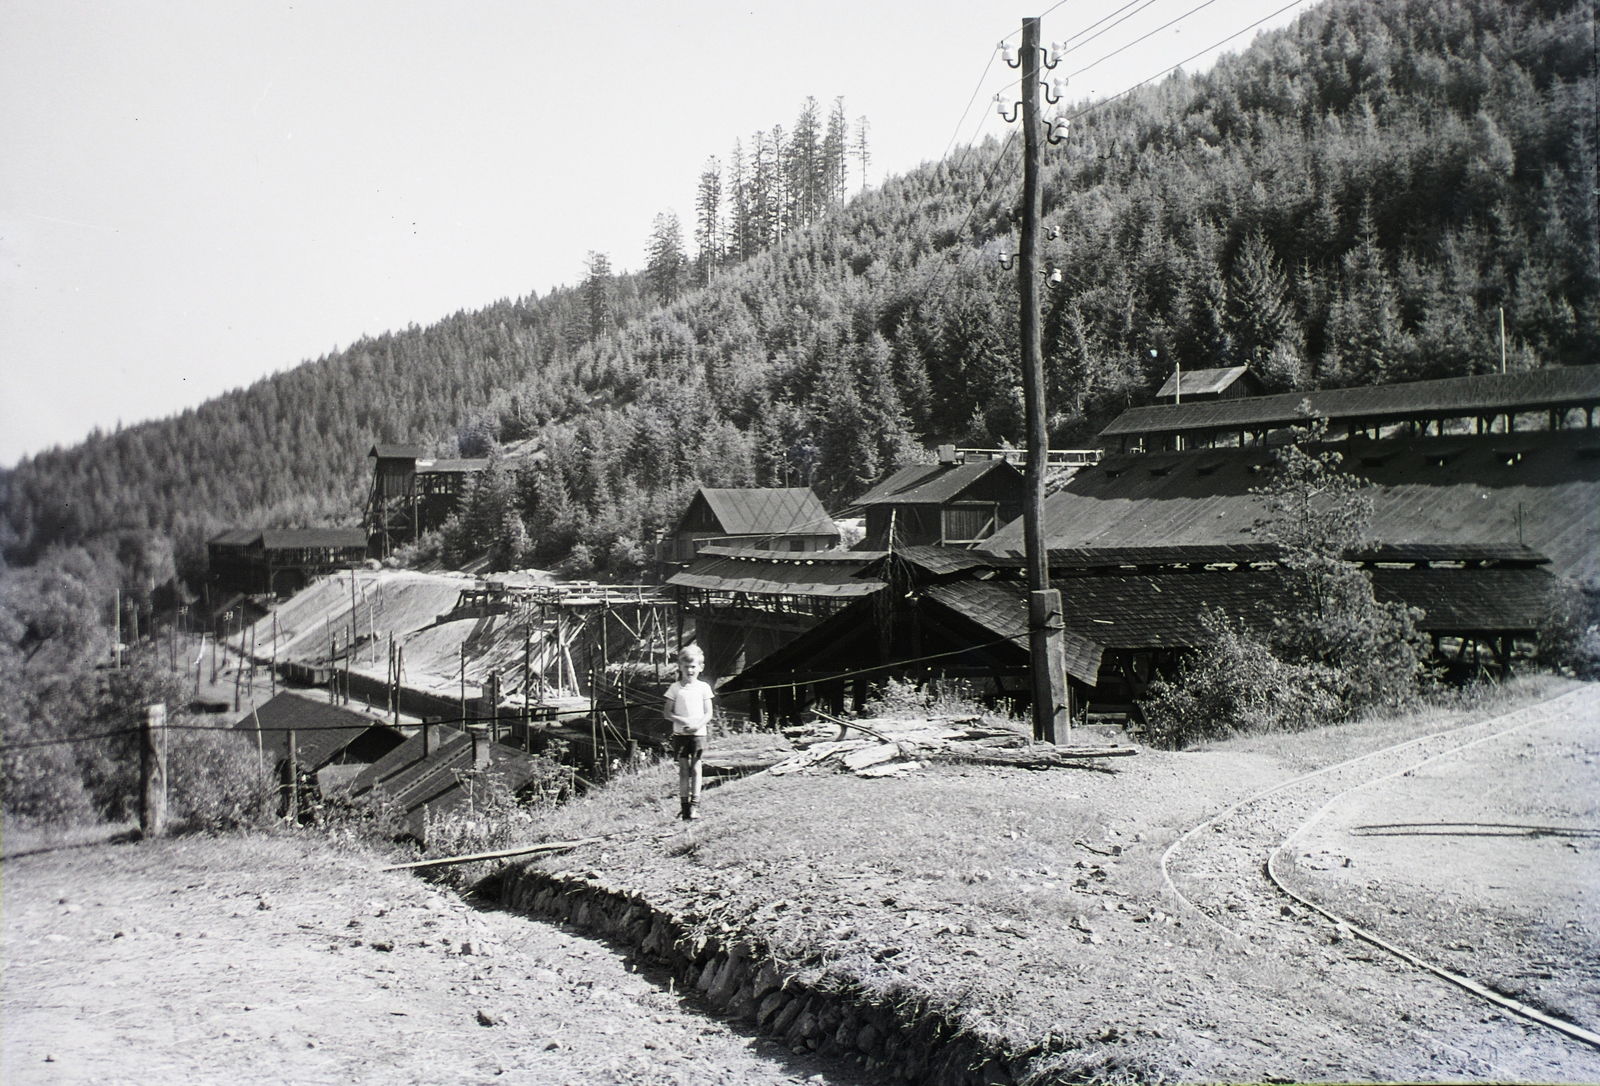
(1540, 489)
(1552, 398)
(1128, 613)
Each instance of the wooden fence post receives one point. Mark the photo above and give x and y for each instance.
(153, 771)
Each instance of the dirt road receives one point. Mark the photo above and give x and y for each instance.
(1477, 849)
(268, 960)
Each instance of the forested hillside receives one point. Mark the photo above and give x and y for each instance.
(1351, 200)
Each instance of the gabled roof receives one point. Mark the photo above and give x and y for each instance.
(773, 573)
(1452, 397)
(297, 538)
(1203, 382)
(321, 731)
(396, 452)
(767, 511)
(930, 484)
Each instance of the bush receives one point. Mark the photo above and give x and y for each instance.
(215, 781)
(1569, 631)
(937, 697)
(42, 785)
(1332, 649)
(1238, 684)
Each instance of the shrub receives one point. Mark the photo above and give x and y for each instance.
(215, 781)
(1237, 683)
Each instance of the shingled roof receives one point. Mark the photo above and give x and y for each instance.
(1483, 490)
(1202, 382)
(301, 538)
(799, 573)
(929, 484)
(1453, 397)
(433, 780)
(395, 452)
(767, 511)
(322, 732)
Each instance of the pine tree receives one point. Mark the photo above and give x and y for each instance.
(858, 149)
(708, 234)
(833, 154)
(1261, 322)
(664, 267)
(803, 167)
(741, 230)
(597, 294)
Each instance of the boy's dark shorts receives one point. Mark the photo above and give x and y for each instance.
(688, 746)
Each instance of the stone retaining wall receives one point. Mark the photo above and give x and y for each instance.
(739, 978)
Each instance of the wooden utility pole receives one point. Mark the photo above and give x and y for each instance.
(1047, 658)
(153, 771)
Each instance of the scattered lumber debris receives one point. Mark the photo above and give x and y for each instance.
(498, 854)
(893, 748)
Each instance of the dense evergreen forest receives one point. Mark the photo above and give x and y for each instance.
(1351, 200)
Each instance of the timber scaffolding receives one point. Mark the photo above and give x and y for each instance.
(594, 658)
(580, 665)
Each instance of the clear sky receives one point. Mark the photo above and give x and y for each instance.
(195, 195)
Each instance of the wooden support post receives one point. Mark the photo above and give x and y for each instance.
(153, 771)
(291, 769)
(274, 652)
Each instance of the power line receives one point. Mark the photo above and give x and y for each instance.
(1165, 71)
(1113, 26)
(1151, 34)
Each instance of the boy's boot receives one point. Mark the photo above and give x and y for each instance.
(691, 809)
(685, 810)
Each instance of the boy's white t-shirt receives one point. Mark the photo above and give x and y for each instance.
(689, 702)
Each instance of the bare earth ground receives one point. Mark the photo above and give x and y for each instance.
(1033, 902)
(263, 960)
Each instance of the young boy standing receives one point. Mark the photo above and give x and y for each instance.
(689, 708)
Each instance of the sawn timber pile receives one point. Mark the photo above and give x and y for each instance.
(893, 748)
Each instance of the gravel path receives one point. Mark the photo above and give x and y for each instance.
(1219, 868)
(270, 960)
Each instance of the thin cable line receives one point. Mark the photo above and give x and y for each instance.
(1165, 71)
(1110, 28)
(1143, 37)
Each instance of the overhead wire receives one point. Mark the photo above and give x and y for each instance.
(1144, 37)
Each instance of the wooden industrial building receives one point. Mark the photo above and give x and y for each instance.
(785, 519)
(955, 502)
(1227, 383)
(746, 604)
(1556, 398)
(1129, 613)
(281, 561)
(411, 495)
